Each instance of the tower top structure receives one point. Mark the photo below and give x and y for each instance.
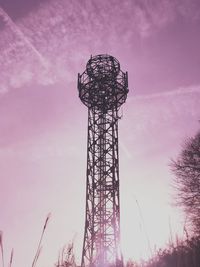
(103, 85)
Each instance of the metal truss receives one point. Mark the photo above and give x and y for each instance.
(103, 89)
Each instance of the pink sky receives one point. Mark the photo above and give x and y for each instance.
(43, 124)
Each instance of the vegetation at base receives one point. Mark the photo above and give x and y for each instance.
(66, 258)
(183, 254)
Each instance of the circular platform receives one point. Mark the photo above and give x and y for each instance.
(103, 85)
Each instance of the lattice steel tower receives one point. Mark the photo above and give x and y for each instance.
(103, 88)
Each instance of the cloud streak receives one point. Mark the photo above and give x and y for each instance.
(48, 48)
(163, 115)
(21, 35)
(152, 16)
(176, 92)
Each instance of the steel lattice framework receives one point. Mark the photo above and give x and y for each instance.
(103, 88)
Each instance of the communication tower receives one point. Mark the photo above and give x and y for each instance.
(103, 88)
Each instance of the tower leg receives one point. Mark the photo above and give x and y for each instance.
(102, 224)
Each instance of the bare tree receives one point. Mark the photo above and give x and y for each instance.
(187, 180)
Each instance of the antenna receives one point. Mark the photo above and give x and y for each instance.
(103, 88)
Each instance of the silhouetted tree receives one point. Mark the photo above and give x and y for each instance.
(187, 180)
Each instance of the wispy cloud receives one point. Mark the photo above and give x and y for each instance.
(158, 123)
(180, 91)
(48, 48)
(151, 16)
(8, 21)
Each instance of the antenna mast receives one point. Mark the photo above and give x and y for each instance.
(103, 88)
